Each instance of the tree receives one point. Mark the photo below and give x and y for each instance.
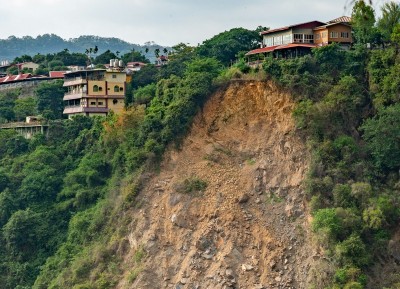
(363, 20)
(226, 45)
(50, 99)
(157, 52)
(134, 56)
(390, 18)
(382, 135)
(395, 36)
(144, 76)
(24, 107)
(105, 57)
(23, 58)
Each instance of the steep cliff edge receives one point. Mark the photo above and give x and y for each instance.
(249, 228)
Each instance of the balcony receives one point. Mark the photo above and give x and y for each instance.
(74, 95)
(74, 81)
(80, 109)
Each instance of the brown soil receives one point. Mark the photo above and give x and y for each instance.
(249, 228)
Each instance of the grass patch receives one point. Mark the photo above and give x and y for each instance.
(192, 185)
(134, 274)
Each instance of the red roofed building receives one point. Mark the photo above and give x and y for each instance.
(14, 78)
(299, 39)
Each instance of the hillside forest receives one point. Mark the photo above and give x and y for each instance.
(64, 198)
(48, 44)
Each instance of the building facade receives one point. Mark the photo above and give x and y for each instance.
(94, 92)
(297, 40)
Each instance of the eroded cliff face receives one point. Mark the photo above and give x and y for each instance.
(250, 227)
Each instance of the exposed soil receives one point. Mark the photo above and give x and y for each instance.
(249, 228)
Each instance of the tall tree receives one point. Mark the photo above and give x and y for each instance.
(363, 20)
(50, 99)
(390, 18)
(226, 45)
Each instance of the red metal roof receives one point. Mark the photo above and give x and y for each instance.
(10, 78)
(261, 50)
(294, 45)
(280, 47)
(305, 24)
(57, 74)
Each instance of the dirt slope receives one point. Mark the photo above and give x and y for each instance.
(249, 228)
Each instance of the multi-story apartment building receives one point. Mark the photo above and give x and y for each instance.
(94, 92)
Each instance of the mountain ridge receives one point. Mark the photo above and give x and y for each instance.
(51, 43)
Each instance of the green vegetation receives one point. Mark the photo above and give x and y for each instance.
(348, 111)
(47, 100)
(63, 199)
(192, 185)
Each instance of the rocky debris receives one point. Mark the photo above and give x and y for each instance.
(238, 233)
(247, 267)
(244, 199)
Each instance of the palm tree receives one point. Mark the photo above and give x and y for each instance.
(157, 52)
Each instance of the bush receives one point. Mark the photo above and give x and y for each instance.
(192, 185)
(352, 251)
(327, 221)
(382, 134)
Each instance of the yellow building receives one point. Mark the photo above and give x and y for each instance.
(94, 92)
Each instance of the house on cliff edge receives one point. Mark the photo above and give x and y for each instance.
(298, 39)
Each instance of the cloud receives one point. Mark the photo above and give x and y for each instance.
(165, 22)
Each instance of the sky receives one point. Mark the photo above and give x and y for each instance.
(166, 22)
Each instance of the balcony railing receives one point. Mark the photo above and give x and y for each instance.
(78, 109)
(74, 81)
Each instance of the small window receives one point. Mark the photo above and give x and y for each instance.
(100, 88)
(95, 88)
(115, 101)
(116, 88)
(100, 103)
(92, 103)
(121, 89)
(114, 76)
(344, 34)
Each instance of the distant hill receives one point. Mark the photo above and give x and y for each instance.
(51, 43)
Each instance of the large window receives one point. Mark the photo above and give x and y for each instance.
(344, 34)
(334, 34)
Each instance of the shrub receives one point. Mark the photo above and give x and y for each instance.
(327, 221)
(352, 251)
(192, 185)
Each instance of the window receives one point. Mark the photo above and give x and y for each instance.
(92, 103)
(317, 36)
(114, 76)
(100, 103)
(100, 88)
(115, 101)
(344, 34)
(334, 34)
(95, 88)
(121, 89)
(116, 88)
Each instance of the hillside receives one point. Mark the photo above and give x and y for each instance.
(50, 43)
(249, 228)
